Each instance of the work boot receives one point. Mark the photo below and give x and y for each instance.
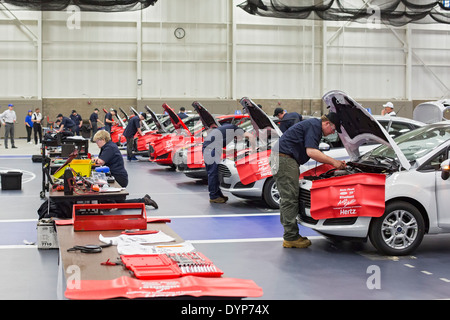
(150, 202)
(218, 200)
(301, 242)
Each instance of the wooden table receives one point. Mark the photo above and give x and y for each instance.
(99, 281)
(89, 196)
(89, 264)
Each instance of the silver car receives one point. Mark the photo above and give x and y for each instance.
(415, 169)
(266, 189)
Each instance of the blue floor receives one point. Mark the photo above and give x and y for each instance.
(242, 237)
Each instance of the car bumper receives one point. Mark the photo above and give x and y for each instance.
(230, 182)
(353, 227)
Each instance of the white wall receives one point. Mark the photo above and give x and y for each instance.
(225, 54)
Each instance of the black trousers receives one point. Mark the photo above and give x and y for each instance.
(37, 132)
(29, 131)
(94, 130)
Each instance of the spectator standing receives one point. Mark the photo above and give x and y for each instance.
(8, 118)
(37, 128)
(388, 109)
(29, 125)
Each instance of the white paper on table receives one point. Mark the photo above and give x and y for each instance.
(140, 238)
(136, 248)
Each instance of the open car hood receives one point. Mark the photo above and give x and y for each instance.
(432, 111)
(260, 120)
(125, 115)
(161, 128)
(357, 126)
(176, 121)
(207, 119)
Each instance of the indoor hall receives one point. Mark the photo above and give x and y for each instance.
(138, 58)
(242, 237)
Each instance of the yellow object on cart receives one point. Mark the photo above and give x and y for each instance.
(81, 166)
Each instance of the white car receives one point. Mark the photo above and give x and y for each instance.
(415, 199)
(266, 189)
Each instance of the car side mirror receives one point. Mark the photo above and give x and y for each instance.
(324, 146)
(445, 167)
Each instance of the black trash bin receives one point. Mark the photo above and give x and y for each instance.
(11, 180)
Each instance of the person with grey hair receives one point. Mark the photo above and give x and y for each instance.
(111, 157)
(8, 119)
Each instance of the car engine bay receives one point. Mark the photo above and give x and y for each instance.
(366, 165)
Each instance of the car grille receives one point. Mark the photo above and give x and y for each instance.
(224, 172)
(163, 156)
(240, 185)
(305, 197)
(150, 148)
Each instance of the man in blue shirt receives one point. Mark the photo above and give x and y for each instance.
(133, 126)
(75, 117)
(66, 124)
(93, 119)
(182, 114)
(111, 157)
(109, 122)
(287, 119)
(215, 141)
(295, 147)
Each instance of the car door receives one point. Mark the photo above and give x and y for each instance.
(442, 190)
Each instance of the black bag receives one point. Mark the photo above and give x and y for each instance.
(36, 158)
(62, 210)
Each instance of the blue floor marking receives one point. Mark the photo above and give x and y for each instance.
(196, 228)
(14, 233)
(248, 227)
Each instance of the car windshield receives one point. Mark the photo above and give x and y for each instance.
(417, 143)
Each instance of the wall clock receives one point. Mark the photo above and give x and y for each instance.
(179, 33)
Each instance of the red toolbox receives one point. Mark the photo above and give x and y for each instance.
(165, 266)
(89, 217)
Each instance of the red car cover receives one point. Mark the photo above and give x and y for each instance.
(254, 167)
(353, 195)
(127, 287)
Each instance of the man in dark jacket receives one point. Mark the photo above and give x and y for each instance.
(65, 124)
(109, 121)
(215, 141)
(93, 122)
(294, 148)
(287, 119)
(133, 126)
(75, 117)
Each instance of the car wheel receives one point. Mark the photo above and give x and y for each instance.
(271, 195)
(399, 231)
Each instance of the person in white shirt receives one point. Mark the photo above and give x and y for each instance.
(37, 128)
(388, 109)
(8, 119)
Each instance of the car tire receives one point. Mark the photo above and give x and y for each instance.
(399, 231)
(271, 196)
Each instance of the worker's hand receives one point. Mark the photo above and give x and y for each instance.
(339, 164)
